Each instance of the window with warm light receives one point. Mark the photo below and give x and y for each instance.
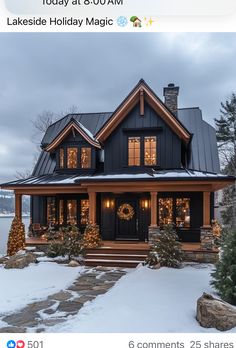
(72, 157)
(85, 157)
(71, 212)
(62, 158)
(51, 210)
(134, 151)
(84, 212)
(150, 151)
(165, 211)
(183, 212)
(61, 212)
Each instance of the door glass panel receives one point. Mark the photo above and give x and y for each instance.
(165, 211)
(72, 157)
(85, 157)
(51, 210)
(150, 151)
(134, 151)
(84, 213)
(183, 212)
(61, 212)
(71, 212)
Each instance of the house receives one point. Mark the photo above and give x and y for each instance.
(131, 171)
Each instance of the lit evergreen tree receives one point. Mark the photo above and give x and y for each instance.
(167, 250)
(91, 237)
(16, 239)
(225, 274)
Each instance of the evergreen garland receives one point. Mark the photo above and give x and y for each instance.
(225, 273)
(16, 239)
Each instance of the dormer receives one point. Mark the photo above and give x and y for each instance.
(75, 149)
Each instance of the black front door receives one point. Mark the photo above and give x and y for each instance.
(126, 219)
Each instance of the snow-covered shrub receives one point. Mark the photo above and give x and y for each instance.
(225, 273)
(167, 249)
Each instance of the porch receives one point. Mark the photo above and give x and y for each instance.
(130, 254)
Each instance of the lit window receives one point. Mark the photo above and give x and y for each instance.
(150, 151)
(165, 211)
(134, 151)
(85, 157)
(51, 210)
(71, 212)
(84, 212)
(183, 212)
(62, 158)
(61, 212)
(72, 157)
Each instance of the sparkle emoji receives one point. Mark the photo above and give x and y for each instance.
(149, 22)
(137, 23)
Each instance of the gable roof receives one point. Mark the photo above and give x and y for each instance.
(73, 125)
(142, 89)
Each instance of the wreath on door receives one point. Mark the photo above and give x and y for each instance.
(125, 212)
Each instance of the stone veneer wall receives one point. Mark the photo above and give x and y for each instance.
(207, 238)
(201, 256)
(153, 234)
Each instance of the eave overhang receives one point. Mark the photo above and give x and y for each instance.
(140, 93)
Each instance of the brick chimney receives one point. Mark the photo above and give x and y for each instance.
(171, 97)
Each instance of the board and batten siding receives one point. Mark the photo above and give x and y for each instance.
(116, 146)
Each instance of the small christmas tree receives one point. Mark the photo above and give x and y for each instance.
(91, 237)
(68, 243)
(16, 239)
(167, 249)
(225, 273)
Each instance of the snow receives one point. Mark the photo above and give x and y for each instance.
(146, 300)
(20, 287)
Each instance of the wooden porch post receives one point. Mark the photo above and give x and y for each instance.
(153, 209)
(92, 207)
(18, 206)
(206, 210)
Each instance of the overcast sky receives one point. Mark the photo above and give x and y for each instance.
(96, 71)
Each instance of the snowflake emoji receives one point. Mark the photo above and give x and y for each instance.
(122, 21)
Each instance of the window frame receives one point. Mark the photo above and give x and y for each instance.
(79, 151)
(142, 149)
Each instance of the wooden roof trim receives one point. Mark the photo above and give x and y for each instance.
(130, 102)
(66, 131)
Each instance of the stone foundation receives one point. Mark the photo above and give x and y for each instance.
(207, 238)
(153, 234)
(201, 256)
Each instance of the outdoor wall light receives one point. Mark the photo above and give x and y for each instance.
(145, 204)
(109, 203)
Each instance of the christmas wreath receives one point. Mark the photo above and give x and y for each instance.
(125, 212)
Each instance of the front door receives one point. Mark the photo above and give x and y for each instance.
(126, 219)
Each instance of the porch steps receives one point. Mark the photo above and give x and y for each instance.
(115, 257)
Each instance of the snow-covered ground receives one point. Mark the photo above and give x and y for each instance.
(21, 287)
(146, 300)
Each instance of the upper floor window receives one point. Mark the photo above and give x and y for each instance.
(85, 157)
(134, 151)
(72, 157)
(150, 151)
(142, 151)
(75, 157)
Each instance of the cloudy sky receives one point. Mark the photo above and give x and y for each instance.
(95, 72)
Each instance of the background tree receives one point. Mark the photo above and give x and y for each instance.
(226, 138)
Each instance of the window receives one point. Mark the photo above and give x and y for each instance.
(84, 212)
(165, 211)
(51, 210)
(174, 210)
(71, 212)
(183, 212)
(72, 157)
(134, 151)
(150, 149)
(62, 158)
(61, 212)
(85, 157)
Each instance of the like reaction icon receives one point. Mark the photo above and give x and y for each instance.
(20, 344)
(11, 344)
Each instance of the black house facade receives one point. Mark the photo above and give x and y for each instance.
(131, 171)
